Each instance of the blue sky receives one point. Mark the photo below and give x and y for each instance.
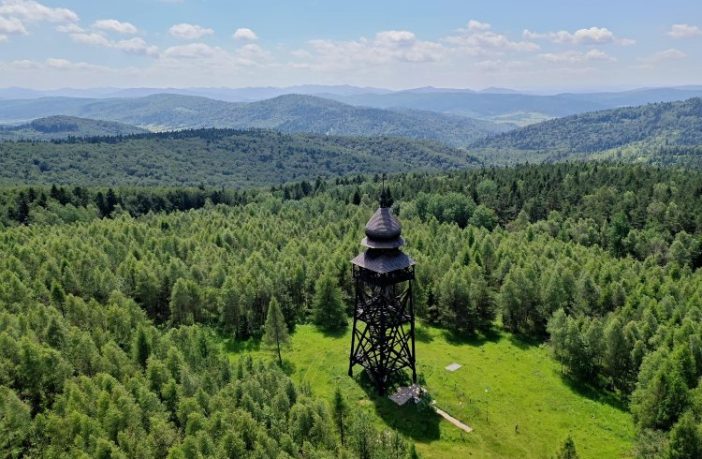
(535, 45)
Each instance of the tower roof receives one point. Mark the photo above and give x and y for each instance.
(383, 230)
(383, 241)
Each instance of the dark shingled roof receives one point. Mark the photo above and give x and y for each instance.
(383, 225)
(383, 240)
(383, 262)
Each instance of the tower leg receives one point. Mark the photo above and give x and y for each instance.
(414, 355)
(353, 330)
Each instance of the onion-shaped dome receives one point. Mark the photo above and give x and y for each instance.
(383, 230)
(383, 225)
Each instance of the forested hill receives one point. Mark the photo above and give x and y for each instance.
(644, 133)
(217, 157)
(61, 126)
(289, 113)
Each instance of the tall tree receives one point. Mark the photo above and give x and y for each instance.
(328, 308)
(276, 331)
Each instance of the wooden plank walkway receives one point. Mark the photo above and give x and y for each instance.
(453, 420)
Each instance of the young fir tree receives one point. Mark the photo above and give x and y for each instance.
(328, 308)
(276, 331)
(340, 411)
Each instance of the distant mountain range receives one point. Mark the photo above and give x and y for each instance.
(669, 132)
(61, 127)
(290, 113)
(501, 105)
(494, 104)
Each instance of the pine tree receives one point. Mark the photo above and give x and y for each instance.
(328, 308)
(276, 331)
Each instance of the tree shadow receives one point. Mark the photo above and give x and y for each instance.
(594, 393)
(288, 366)
(524, 342)
(333, 332)
(422, 335)
(420, 423)
(490, 335)
(237, 346)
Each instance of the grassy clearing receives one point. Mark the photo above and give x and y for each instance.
(511, 392)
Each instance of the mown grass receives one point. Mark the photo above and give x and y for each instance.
(510, 391)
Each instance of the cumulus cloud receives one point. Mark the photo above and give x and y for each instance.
(479, 38)
(208, 56)
(135, 45)
(16, 14)
(11, 26)
(592, 35)
(113, 25)
(684, 31)
(670, 54)
(245, 34)
(90, 38)
(29, 10)
(189, 31)
(385, 47)
(576, 57)
(192, 51)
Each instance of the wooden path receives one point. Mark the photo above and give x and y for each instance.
(453, 420)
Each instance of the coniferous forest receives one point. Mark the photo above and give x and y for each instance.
(116, 304)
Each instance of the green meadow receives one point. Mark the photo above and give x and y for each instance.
(511, 392)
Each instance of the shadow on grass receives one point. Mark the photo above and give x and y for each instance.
(288, 366)
(595, 394)
(489, 336)
(525, 342)
(413, 421)
(422, 335)
(237, 346)
(333, 332)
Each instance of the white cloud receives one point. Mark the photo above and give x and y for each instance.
(670, 54)
(592, 35)
(189, 31)
(576, 57)
(64, 64)
(70, 28)
(11, 26)
(90, 38)
(113, 25)
(245, 34)
(191, 51)
(684, 31)
(477, 25)
(251, 54)
(479, 38)
(387, 46)
(30, 10)
(3, 38)
(135, 45)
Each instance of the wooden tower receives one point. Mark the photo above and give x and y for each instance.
(382, 341)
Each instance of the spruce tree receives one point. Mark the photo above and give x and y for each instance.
(276, 332)
(328, 308)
